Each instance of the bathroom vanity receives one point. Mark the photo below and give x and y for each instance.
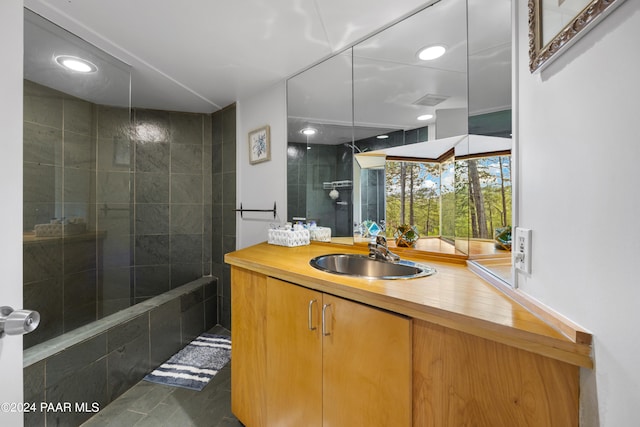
(315, 348)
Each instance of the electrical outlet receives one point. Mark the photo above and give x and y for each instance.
(521, 248)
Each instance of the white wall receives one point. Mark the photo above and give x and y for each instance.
(11, 28)
(579, 148)
(259, 185)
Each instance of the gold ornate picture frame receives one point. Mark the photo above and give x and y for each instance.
(259, 145)
(541, 53)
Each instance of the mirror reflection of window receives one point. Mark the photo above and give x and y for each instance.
(413, 197)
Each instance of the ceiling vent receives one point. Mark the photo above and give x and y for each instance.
(430, 100)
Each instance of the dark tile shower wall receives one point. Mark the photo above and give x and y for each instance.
(296, 180)
(224, 202)
(144, 191)
(307, 170)
(172, 154)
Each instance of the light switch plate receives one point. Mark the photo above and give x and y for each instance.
(521, 247)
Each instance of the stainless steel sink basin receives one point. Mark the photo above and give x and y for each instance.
(363, 266)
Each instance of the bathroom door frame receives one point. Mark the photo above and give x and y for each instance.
(11, 77)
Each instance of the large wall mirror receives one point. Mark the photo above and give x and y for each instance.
(319, 150)
(431, 137)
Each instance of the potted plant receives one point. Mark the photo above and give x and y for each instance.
(406, 236)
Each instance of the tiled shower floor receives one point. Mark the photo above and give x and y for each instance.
(157, 405)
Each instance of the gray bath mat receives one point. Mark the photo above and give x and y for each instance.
(195, 365)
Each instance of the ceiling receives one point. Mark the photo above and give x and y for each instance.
(381, 85)
(202, 55)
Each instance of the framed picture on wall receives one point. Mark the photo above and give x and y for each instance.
(556, 25)
(259, 145)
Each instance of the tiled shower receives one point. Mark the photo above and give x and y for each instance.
(127, 215)
(308, 167)
(133, 192)
(145, 201)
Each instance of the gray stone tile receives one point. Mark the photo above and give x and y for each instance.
(152, 218)
(164, 336)
(229, 190)
(216, 188)
(113, 122)
(80, 297)
(149, 396)
(72, 360)
(115, 283)
(152, 250)
(152, 126)
(192, 323)
(186, 158)
(152, 280)
(112, 418)
(186, 188)
(128, 364)
(152, 187)
(45, 297)
(187, 128)
(124, 333)
(75, 388)
(144, 396)
(186, 248)
(117, 251)
(211, 288)
(179, 417)
(216, 159)
(228, 158)
(79, 255)
(34, 392)
(183, 273)
(208, 133)
(41, 183)
(216, 127)
(78, 116)
(115, 218)
(42, 105)
(229, 422)
(191, 299)
(207, 165)
(186, 219)
(42, 144)
(114, 187)
(42, 260)
(160, 416)
(115, 153)
(210, 312)
(152, 156)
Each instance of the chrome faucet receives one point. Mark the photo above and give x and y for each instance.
(379, 250)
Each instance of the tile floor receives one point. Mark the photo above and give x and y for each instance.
(157, 405)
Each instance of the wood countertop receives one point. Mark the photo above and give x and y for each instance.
(454, 297)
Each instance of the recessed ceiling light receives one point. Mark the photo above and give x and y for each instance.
(382, 136)
(431, 52)
(308, 131)
(74, 63)
(425, 117)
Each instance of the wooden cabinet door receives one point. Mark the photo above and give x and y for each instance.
(248, 349)
(294, 355)
(464, 380)
(366, 366)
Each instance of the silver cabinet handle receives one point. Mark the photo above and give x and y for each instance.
(17, 322)
(310, 323)
(325, 331)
